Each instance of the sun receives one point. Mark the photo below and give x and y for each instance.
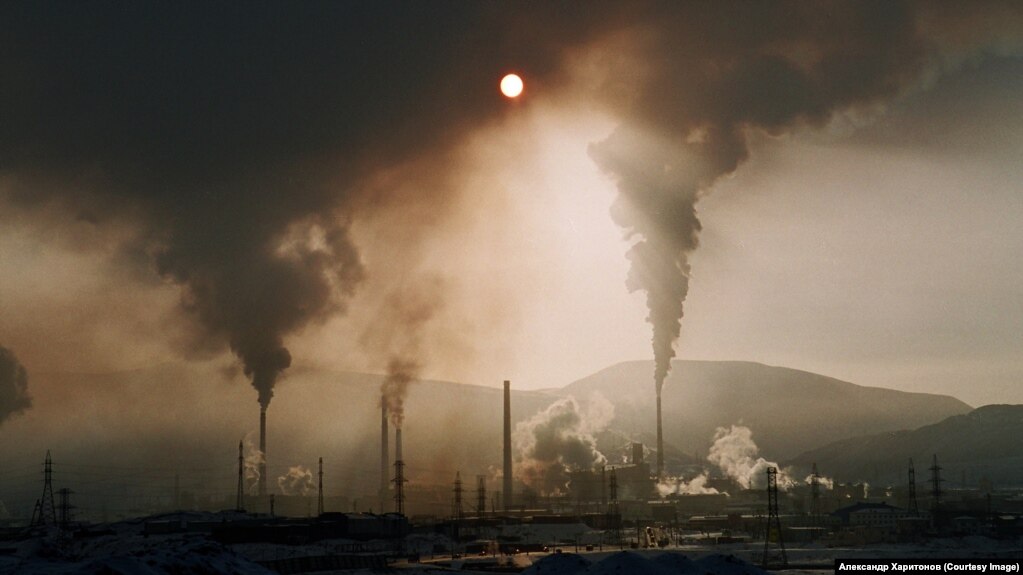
(511, 85)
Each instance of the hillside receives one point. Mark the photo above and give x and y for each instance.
(979, 444)
(789, 411)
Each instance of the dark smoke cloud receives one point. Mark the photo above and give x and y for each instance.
(713, 76)
(398, 331)
(394, 389)
(14, 396)
(237, 139)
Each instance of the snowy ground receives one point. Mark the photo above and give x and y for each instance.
(126, 550)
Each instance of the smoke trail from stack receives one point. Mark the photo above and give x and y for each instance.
(707, 81)
(14, 396)
(400, 373)
(241, 162)
(398, 333)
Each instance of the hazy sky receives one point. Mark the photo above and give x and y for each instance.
(343, 185)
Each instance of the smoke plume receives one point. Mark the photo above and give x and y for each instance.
(678, 486)
(297, 481)
(400, 372)
(560, 439)
(236, 145)
(14, 396)
(825, 482)
(399, 330)
(253, 462)
(708, 79)
(737, 455)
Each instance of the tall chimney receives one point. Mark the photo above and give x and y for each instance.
(262, 451)
(385, 457)
(660, 440)
(397, 444)
(507, 447)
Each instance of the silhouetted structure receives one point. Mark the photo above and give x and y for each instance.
(660, 439)
(773, 519)
(262, 452)
(65, 508)
(815, 497)
(507, 447)
(319, 503)
(385, 457)
(936, 491)
(911, 505)
(46, 512)
(239, 503)
(456, 507)
(481, 495)
(614, 517)
(399, 487)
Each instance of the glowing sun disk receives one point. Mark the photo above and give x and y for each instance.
(511, 85)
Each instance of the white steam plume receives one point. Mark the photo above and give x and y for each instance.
(297, 481)
(736, 454)
(559, 439)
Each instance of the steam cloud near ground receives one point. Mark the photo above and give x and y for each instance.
(558, 440)
(737, 456)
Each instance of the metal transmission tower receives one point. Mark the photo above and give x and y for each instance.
(239, 503)
(46, 512)
(319, 503)
(604, 486)
(614, 519)
(815, 497)
(456, 508)
(65, 508)
(914, 509)
(399, 487)
(773, 519)
(481, 495)
(935, 488)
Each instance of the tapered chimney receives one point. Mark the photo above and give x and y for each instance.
(262, 451)
(660, 440)
(507, 496)
(385, 457)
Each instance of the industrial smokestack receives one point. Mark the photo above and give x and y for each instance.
(385, 457)
(507, 447)
(660, 440)
(262, 451)
(397, 445)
